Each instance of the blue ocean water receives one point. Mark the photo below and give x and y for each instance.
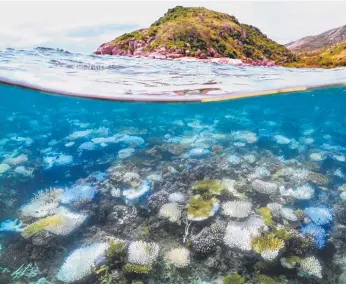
(98, 191)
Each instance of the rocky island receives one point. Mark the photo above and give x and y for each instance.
(199, 34)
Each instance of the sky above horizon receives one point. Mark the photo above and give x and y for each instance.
(83, 26)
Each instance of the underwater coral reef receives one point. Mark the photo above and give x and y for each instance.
(247, 191)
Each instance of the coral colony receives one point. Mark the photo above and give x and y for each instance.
(249, 191)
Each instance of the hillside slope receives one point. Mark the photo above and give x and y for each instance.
(324, 50)
(201, 33)
(321, 41)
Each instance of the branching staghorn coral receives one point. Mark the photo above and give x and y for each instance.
(78, 194)
(62, 223)
(81, 262)
(69, 221)
(310, 266)
(116, 249)
(204, 242)
(268, 246)
(239, 234)
(44, 203)
(218, 230)
(303, 192)
(25, 271)
(266, 215)
(319, 215)
(317, 232)
(142, 253)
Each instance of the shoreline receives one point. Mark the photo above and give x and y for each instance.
(183, 58)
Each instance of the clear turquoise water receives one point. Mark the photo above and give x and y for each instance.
(296, 142)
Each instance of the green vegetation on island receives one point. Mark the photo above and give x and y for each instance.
(202, 33)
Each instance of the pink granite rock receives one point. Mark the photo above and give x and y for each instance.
(174, 55)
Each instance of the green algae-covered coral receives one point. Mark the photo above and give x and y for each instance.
(283, 234)
(260, 265)
(268, 246)
(233, 278)
(290, 262)
(115, 249)
(264, 279)
(213, 186)
(318, 178)
(137, 269)
(268, 242)
(266, 215)
(40, 225)
(200, 209)
(300, 214)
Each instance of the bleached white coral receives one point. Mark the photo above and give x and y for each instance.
(171, 211)
(259, 173)
(245, 136)
(237, 237)
(310, 266)
(78, 193)
(177, 197)
(270, 255)
(237, 209)
(234, 160)
(115, 192)
(131, 178)
(4, 168)
(69, 221)
(275, 209)
(143, 253)
(13, 161)
(306, 140)
(125, 153)
(250, 158)
(80, 263)
(79, 134)
(24, 171)
(44, 203)
(229, 185)
(179, 257)
(239, 234)
(262, 172)
(303, 192)
(280, 139)
(343, 195)
(289, 214)
(296, 174)
(264, 186)
(317, 157)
